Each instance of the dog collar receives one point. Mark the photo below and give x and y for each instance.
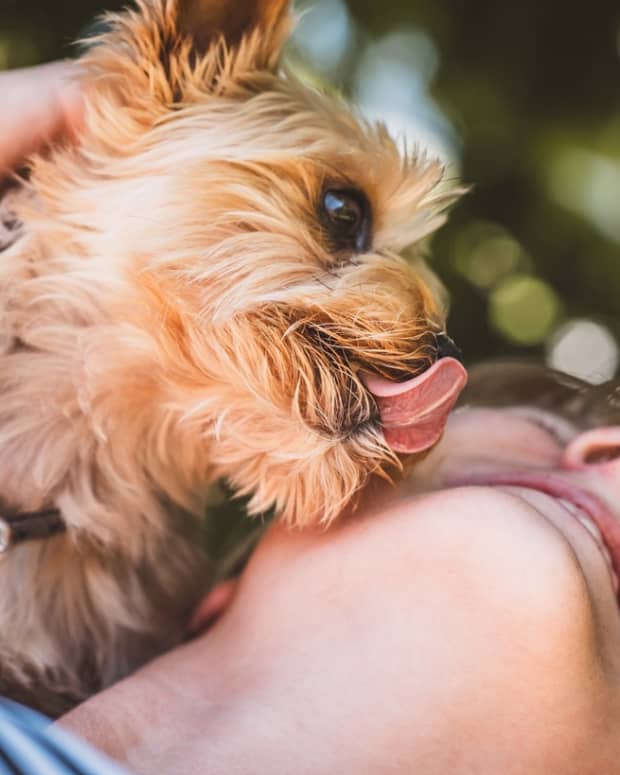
(10, 227)
(31, 526)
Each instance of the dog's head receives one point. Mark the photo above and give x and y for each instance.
(260, 225)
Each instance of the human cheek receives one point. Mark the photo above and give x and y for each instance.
(505, 628)
(472, 614)
(488, 440)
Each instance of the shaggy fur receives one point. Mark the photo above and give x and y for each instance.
(171, 313)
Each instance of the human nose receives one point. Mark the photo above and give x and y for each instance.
(595, 448)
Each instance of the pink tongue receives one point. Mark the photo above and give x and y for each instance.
(414, 413)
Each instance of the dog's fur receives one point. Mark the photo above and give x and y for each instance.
(172, 312)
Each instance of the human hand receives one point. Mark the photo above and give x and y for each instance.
(39, 105)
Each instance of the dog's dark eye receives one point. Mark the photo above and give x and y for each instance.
(346, 214)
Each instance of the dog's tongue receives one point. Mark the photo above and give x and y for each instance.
(414, 413)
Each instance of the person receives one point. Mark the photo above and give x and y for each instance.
(30, 745)
(464, 622)
(39, 105)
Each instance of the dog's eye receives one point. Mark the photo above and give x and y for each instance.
(346, 214)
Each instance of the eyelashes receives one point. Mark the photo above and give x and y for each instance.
(559, 429)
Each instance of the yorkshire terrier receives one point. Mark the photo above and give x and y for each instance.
(208, 285)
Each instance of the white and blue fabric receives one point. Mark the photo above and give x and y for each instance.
(31, 745)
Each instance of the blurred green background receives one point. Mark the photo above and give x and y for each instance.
(522, 100)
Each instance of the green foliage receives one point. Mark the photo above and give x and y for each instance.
(522, 99)
(529, 97)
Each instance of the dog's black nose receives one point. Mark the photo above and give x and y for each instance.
(446, 347)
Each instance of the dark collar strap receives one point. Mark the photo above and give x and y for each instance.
(35, 525)
(10, 227)
(17, 528)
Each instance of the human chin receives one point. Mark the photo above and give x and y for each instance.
(524, 451)
(530, 557)
(590, 561)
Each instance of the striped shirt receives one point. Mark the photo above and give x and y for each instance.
(31, 745)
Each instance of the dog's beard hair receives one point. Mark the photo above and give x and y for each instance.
(240, 240)
(173, 313)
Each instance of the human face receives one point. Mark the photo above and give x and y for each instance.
(474, 610)
(565, 475)
(467, 624)
(529, 471)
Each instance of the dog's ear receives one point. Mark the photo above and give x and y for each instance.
(208, 21)
(165, 50)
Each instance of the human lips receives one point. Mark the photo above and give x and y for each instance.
(590, 511)
(592, 528)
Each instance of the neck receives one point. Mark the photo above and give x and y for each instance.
(193, 704)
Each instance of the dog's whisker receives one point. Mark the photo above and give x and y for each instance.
(197, 292)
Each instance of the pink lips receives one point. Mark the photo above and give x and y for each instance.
(414, 413)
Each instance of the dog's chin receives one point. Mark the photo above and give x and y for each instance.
(363, 432)
(400, 410)
(350, 427)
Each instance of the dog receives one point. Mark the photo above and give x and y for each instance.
(208, 285)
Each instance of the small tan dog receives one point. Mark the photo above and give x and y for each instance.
(207, 286)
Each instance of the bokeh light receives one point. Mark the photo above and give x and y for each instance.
(585, 349)
(392, 84)
(522, 103)
(530, 120)
(588, 183)
(485, 253)
(524, 308)
(324, 34)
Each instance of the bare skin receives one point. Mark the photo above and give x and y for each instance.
(39, 105)
(451, 629)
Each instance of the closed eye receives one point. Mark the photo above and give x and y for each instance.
(559, 429)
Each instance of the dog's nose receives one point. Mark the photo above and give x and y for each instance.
(446, 347)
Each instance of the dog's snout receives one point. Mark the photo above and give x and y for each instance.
(446, 348)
